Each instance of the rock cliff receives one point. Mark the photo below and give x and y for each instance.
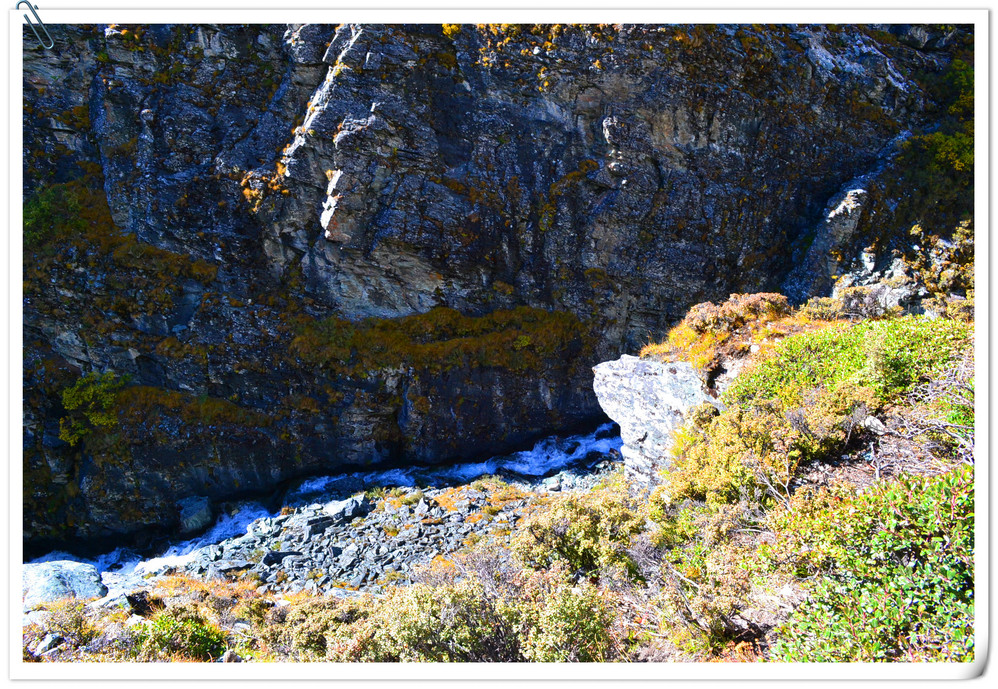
(315, 246)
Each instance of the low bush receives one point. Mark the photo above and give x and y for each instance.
(890, 356)
(752, 452)
(896, 566)
(708, 326)
(459, 614)
(822, 309)
(455, 622)
(738, 310)
(91, 403)
(720, 464)
(705, 589)
(70, 621)
(307, 629)
(571, 625)
(181, 631)
(868, 301)
(587, 532)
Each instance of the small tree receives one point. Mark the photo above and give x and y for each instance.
(90, 404)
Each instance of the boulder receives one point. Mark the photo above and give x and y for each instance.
(343, 511)
(44, 582)
(275, 557)
(649, 399)
(195, 514)
(38, 617)
(317, 525)
(48, 643)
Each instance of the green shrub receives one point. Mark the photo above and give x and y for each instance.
(738, 310)
(822, 309)
(181, 630)
(454, 622)
(937, 167)
(719, 464)
(708, 326)
(51, 210)
(900, 571)
(900, 353)
(752, 452)
(706, 587)
(309, 628)
(91, 403)
(587, 532)
(941, 163)
(69, 620)
(674, 525)
(889, 356)
(413, 498)
(960, 409)
(573, 626)
(486, 610)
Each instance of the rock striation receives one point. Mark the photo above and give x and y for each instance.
(317, 246)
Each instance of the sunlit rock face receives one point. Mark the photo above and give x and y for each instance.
(650, 400)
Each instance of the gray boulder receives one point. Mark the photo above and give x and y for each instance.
(275, 557)
(343, 511)
(649, 400)
(195, 514)
(45, 582)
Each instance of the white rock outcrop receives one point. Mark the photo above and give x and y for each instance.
(649, 400)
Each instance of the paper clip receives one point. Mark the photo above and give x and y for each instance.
(34, 27)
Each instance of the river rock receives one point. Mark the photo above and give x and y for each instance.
(195, 514)
(275, 557)
(649, 399)
(49, 642)
(50, 581)
(343, 511)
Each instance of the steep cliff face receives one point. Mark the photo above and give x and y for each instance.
(314, 246)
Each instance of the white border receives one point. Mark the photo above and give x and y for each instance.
(55, 13)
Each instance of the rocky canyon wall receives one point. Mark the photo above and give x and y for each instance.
(311, 247)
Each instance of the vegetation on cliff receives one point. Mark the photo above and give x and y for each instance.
(520, 339)
(847, 449)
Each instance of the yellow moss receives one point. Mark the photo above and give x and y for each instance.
(439, 339)
(503, 287)
(732, 327)
(141, 404)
